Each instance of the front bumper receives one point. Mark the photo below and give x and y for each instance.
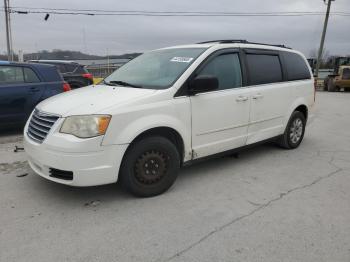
(90, 168)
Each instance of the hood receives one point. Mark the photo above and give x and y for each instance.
(91, 99)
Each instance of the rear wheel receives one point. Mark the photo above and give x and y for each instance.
(325, 84)
(150, 166)
(294, 132)
(331, 86)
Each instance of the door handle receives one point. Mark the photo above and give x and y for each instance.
(34, 89)
(257, 96)
(241, 98)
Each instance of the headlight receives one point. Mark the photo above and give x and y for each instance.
(86, 126)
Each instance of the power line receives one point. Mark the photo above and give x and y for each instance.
(99, 12)
(174, 14)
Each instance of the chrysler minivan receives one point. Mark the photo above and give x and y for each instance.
(168, 108)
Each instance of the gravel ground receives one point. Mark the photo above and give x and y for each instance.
(269, 205)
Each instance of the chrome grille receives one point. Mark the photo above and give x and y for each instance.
(40, 125)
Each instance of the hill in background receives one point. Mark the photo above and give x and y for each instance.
(57, 54)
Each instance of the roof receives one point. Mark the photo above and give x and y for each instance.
(14, 63)
(53, 61)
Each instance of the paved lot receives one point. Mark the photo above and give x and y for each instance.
(267, 205)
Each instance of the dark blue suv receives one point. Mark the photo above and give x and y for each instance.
(23, 86)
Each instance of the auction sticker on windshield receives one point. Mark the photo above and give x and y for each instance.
(182, 59)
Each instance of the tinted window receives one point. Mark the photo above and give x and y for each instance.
(227, 69)
(264, 69)
(70, 68)
(61, 68)
(50, 74)
(296, 67)
(30, 76)
(11, 74)
(81, 70)
(346, 74)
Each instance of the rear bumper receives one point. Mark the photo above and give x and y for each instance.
(89, 168)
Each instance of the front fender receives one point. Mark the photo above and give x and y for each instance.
(124, 128)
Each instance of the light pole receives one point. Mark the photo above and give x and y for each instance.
(320, 50)
(8, 30)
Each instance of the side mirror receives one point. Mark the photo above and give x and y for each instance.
(203, 83)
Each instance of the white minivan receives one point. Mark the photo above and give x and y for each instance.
(171, 107)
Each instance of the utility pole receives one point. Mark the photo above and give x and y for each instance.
(8, 30)
(320, 50)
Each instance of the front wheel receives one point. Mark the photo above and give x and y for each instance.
(294, 132)
(150, 166)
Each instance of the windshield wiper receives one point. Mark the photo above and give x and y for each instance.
(122, 83)
(108, 83)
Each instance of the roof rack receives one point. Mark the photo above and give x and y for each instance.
(227, 41)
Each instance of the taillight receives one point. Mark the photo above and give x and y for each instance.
(88, 75)
(66, 87)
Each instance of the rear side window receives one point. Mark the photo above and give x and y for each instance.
(70, 68)
(264, 69)
(11, 74)
(227, 69)
(81, 70)
(50, 74)
(296, 67)
(61, 68)
(30, 76)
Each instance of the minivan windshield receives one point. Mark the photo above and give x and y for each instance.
(156, 69)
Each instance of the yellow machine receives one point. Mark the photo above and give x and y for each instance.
(340, 79)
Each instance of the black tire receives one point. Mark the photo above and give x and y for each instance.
(293, 136)
(325, 85)
(331, 86)
(150, 166)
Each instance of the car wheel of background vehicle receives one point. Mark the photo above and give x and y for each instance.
(150, 166)
(331, 87)
(325, 85)
(294, 132)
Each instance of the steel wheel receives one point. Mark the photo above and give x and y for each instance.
(151, 167)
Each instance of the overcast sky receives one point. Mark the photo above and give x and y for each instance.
(118, 35)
